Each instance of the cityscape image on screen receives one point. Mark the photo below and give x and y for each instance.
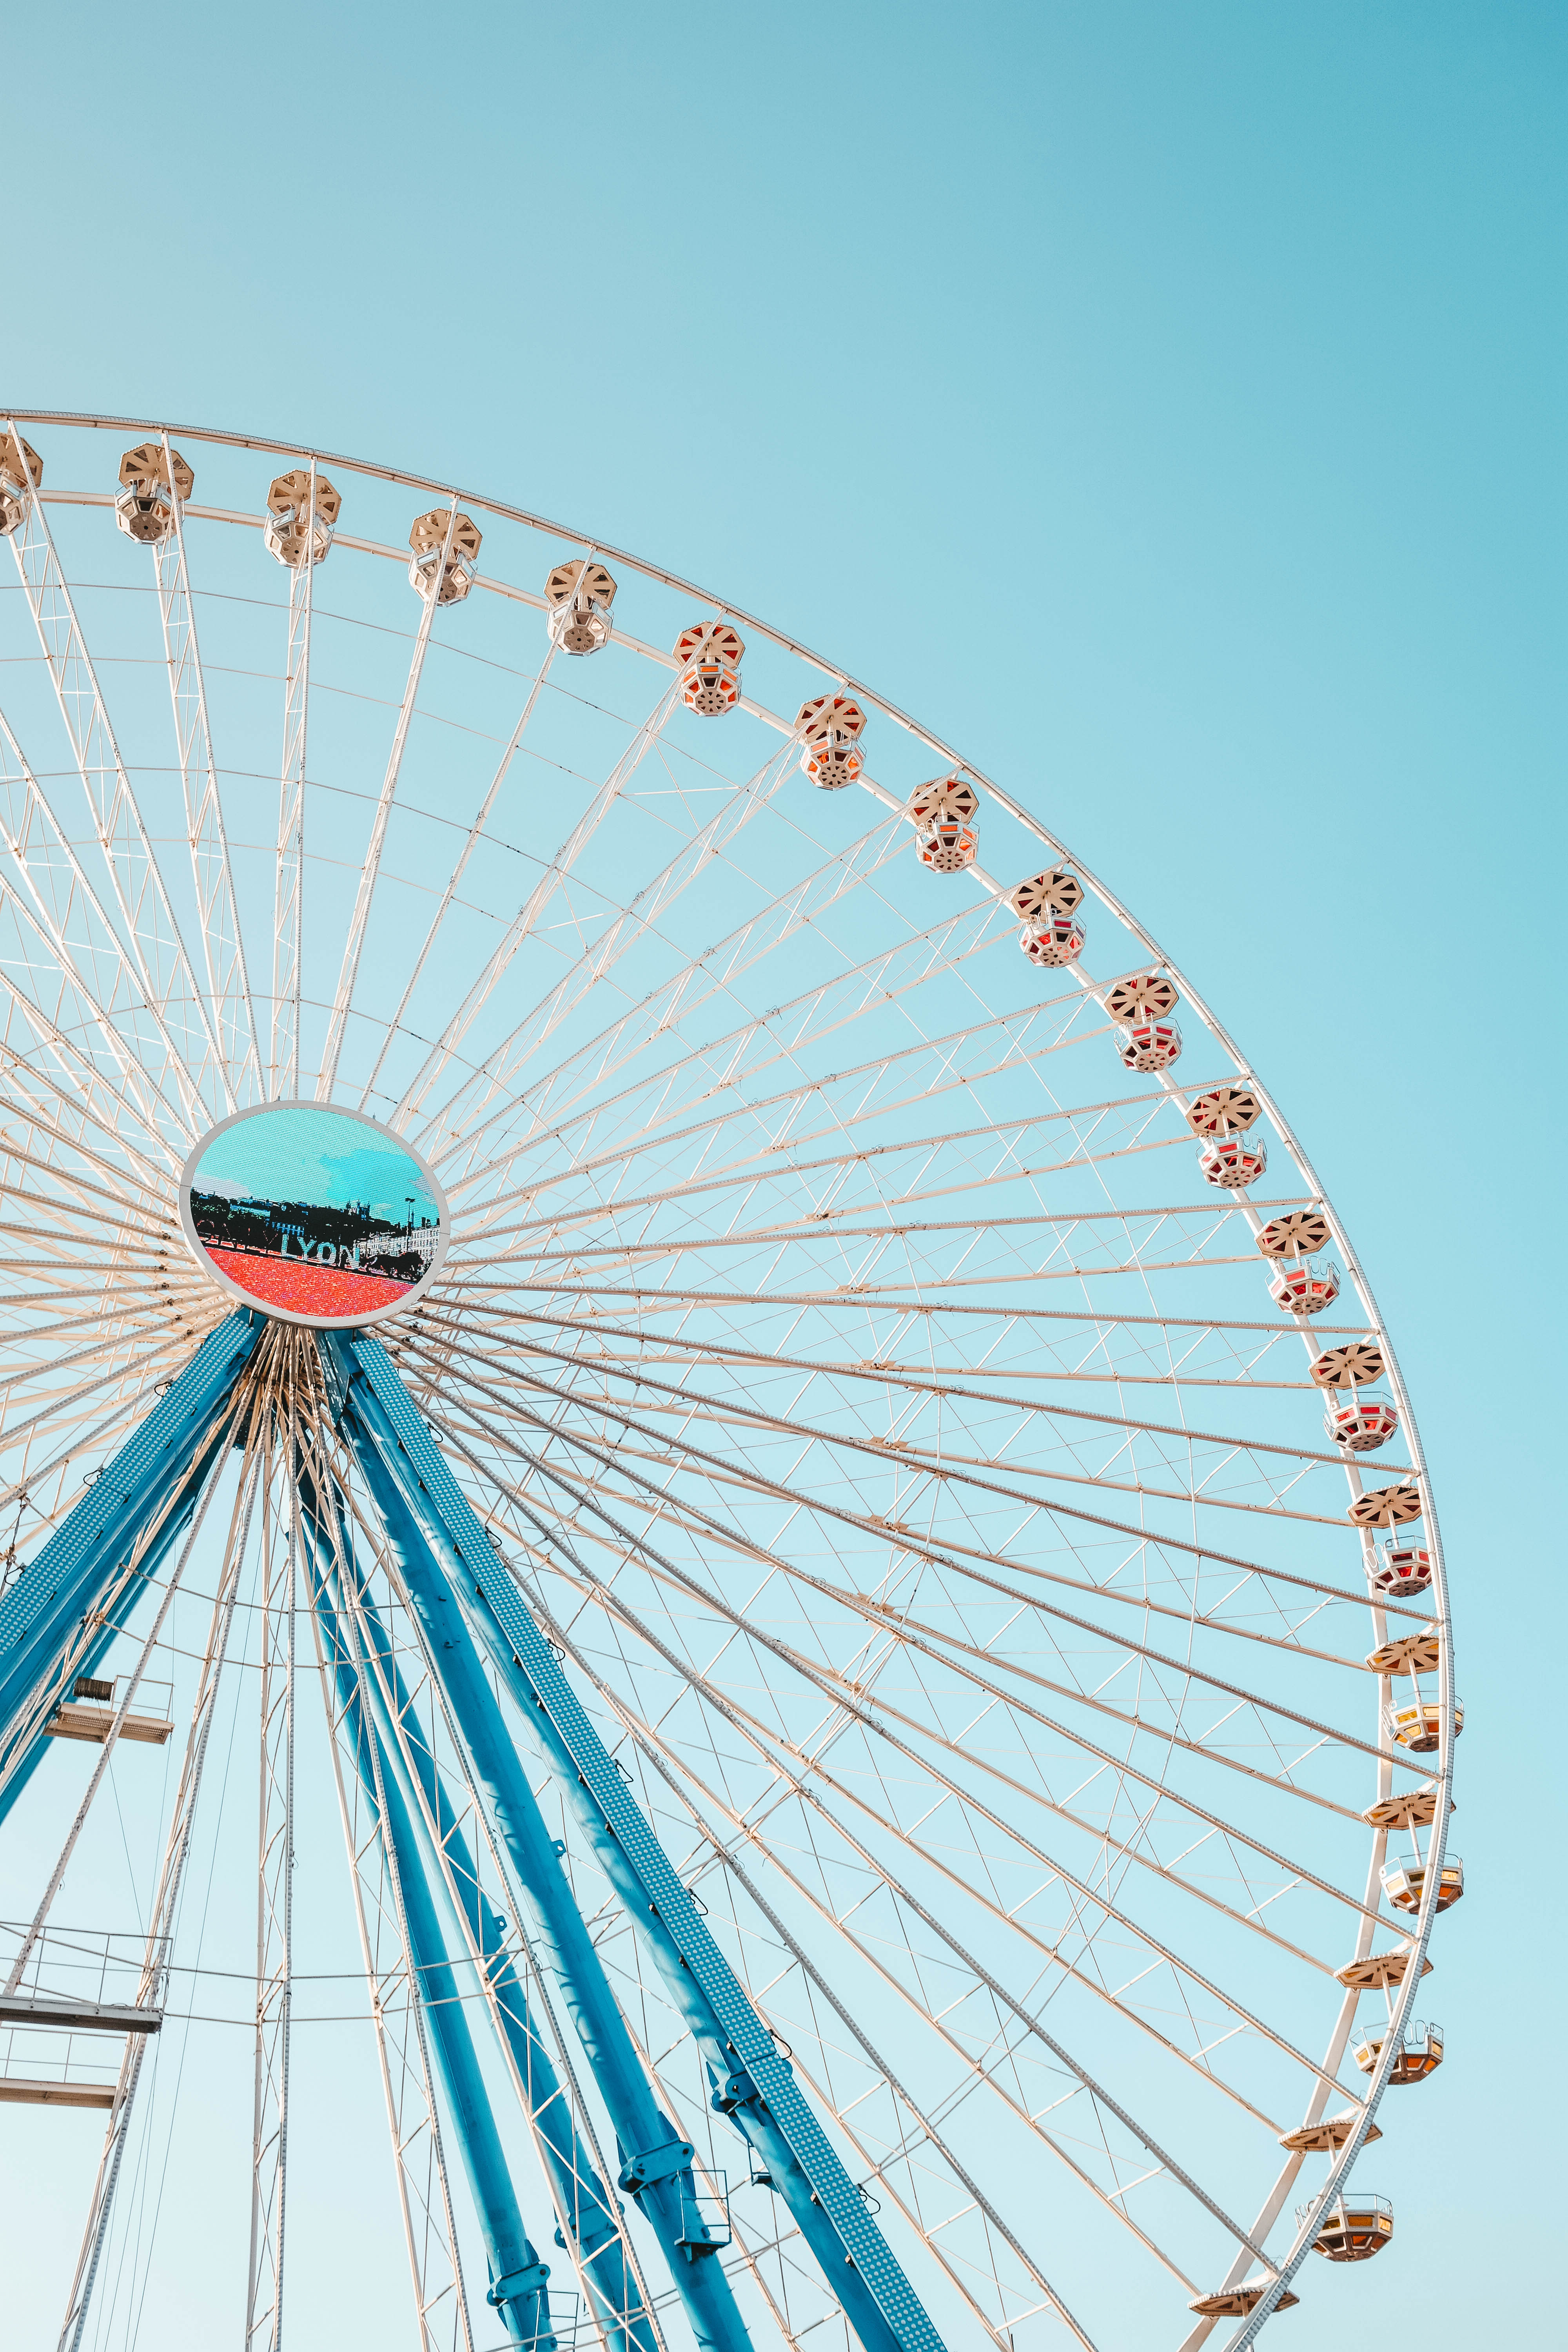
(314, 1213)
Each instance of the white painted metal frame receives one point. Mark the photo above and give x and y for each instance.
(274, 1907)
(423, 2188)
(218, 909)
(501, 1366)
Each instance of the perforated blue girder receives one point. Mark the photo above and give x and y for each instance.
(757, 2085)
(586, 2209)
(161, 1468)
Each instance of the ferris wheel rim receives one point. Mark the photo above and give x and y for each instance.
(1440, 1618)
(379, 470)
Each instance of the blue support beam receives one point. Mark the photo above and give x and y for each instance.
(170, 1454)
(656, 2161)
(755, 2083)
(518, 2278)
(583, 2204)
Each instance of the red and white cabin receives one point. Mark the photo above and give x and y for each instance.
(1234, 1161)
(709, 654)
(1048, 903)
(1361, 1425)
(1304, 1285)
(1056, 940)
(1400, 1569)
(944, 814)
(1148, 1045)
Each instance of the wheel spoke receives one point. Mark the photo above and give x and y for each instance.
(864, 1598)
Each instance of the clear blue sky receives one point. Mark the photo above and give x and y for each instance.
(327, 1157)
(1214, 347)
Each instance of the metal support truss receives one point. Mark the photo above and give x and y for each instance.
(52, 1621)
(228, 984)
(149, 931)
(358, 921)
(667, 2190)
(588, 2215)
(283, 1062)
(424, 2192)
(753, 2083)
(165, 1902)
(518, 2278)
(274, 1933)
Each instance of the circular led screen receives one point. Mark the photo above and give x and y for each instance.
(315, 1215)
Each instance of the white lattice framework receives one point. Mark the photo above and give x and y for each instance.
(879, 1411)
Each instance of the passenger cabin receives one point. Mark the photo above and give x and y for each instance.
(1419, 2054)
(1356, 2226)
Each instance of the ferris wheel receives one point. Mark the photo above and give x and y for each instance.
(629, 1307)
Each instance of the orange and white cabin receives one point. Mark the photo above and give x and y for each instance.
(829, 727)
(709, 654)
(1356, 2226)
(1404, 1882)
(944, 814)
(1416, 1725)
(1419, 2054)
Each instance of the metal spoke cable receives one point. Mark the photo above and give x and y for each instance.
(864, 1521)
(855, 1703)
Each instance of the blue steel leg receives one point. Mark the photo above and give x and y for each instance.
(657, 2162)
(518, 2277)
(755, 2083)
(585, 2205)
(174, 1449)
